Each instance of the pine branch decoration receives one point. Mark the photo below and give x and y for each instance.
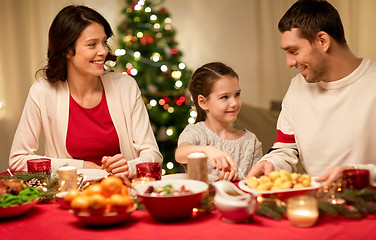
(48, 184)
(358, 204)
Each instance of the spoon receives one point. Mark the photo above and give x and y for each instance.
(81, 182)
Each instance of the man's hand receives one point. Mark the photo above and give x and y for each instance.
(332, 174)
(261, 168)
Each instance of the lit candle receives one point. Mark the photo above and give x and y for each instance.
(137, 181)
(302, 211)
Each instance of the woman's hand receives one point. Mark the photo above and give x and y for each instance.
(231, 175)
(219, 159)
(332, 175)
(117, 165)
(89, 164)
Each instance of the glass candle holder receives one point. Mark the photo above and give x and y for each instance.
(355, 178)
(302, 211)
(67, 178)
(39, 165)
(150, 170)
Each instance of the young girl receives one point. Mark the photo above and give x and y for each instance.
(216, 95)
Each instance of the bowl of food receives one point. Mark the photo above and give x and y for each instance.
(171, 200)
(280, 184)
(101, 203)
(105, 218)
(211, 178)
(16, 197)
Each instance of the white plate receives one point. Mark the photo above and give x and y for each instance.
(211, 178)
(93, 174)
(314, 185)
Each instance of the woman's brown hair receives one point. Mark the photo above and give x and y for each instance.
(64, 31)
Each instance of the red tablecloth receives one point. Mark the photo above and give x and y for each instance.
(49, 221)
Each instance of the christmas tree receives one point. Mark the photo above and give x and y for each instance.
(148, 52)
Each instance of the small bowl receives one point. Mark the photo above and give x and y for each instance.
(60, 199)
(172, 208)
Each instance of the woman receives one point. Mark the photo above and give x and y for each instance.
(90, 118)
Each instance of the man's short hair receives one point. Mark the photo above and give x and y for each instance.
(311, 17)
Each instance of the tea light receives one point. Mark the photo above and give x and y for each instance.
(302, 211)
(138, 181)
(67, 178)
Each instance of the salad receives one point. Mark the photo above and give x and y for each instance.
(167, 190)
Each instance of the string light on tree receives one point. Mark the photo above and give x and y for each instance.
(170, 165)
(148, 49)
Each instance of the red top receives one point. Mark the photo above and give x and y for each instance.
(91, 132)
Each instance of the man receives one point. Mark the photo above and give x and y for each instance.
(328, 117)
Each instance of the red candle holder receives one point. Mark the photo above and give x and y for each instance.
(39, 165)
(149, 169)
(356, 178)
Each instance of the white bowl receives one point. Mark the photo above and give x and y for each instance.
(60, 199)
(211, 178)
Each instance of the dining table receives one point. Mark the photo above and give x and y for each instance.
(50, 221)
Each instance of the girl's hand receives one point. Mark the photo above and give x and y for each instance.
(219, 159)
(116, 165)
(229, 175)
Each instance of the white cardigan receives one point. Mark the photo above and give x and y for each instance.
(47, 109)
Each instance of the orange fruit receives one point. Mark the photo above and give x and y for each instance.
(93, 189)
(80, 204)
(97, 204)
(73, 193)
(120, 203)
(111, 185)
(124, 191)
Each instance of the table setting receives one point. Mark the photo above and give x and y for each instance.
(93, 203)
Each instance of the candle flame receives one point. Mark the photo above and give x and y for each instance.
(260, 199)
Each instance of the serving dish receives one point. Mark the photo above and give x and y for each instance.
(93, 174)
(283, 193)
(212, 178)
(60, 199)
(17, 210)
(170, 207)
(104, 219)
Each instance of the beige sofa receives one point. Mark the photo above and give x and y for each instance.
(261, 122)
